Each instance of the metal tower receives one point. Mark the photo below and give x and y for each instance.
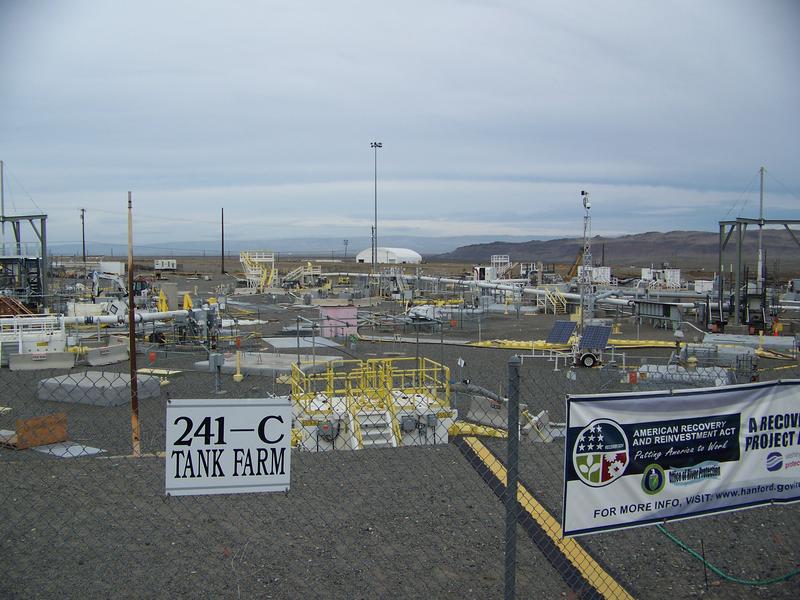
(585, 279)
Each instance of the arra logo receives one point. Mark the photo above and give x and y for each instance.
(600, 454)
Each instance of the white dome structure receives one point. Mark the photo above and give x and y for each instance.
(390, 256)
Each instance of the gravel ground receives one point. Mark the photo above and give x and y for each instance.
(410, 522)
(758, 543)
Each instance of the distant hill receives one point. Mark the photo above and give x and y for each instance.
(679, 248)
(308, 246)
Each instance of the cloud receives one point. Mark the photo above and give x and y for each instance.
(405, 207)
(493, 115)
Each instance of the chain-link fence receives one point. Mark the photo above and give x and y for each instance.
(402, 485)
(713, 556)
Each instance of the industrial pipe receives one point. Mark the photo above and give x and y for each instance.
(507, 288)
(139, 317)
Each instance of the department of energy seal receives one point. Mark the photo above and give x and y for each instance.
(653, 479)
(600, 453)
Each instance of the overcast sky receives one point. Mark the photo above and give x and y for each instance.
(493, 115)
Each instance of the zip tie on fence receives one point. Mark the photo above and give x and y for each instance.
(720, 572)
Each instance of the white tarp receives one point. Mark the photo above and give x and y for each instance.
(634, 459)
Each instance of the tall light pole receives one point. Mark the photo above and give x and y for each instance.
(345, 242)
(375, 146)
(83, 240)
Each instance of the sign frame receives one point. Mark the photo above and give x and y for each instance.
(708, 477)
(227, 446)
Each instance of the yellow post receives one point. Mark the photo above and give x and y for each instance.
(162, 304)
(238, 377)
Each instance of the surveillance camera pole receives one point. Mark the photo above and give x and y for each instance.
(585, 280)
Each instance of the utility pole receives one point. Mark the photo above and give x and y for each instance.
(345, 242)
(222, 222)
(135, 430)
(2, 206)
(83, 241)
(760, 277)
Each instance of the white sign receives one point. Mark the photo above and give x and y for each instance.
(165, 264)
(230, 446)
(634, 459)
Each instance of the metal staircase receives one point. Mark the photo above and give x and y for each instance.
(502, 265)
(552, 301)
(33, 276)
(259, 269)
(303, 276)
(374, 429)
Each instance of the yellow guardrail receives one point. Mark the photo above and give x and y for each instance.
(542, 345)
(373, 385)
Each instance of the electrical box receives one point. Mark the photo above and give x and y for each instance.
(328, 430)
(408, 424)
(215, 361)
(431, 420)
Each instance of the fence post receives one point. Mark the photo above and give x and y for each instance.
(512, 469)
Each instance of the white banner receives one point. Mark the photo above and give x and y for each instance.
(639, 458)
(228, 446)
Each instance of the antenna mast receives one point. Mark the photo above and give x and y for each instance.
(585, 279)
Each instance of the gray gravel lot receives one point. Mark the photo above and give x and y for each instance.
(406, 523)
(410, 523)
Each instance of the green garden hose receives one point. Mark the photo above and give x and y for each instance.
(719, 571)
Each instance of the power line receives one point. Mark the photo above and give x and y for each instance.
(144, 216)
(783, 185)
(19, 183)
(742, 196)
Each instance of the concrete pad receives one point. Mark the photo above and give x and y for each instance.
(68, 450)
(97, 388)
(288, 342)
(265, 363)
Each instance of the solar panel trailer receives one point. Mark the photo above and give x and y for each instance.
(593, 341)
(595, 337)
(561, 332)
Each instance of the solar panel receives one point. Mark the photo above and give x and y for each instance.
(561, 332)
(595, 337)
